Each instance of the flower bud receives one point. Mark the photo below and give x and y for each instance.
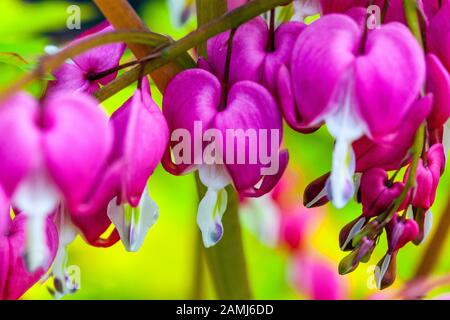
(400, 232)
(315, 194)
(424, 220)
(386, 270)
(349, 231)
(378, 192)
(361, 254)
(428, 176)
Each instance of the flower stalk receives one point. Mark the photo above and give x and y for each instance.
(226, 260)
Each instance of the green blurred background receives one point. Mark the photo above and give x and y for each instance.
(164, 267)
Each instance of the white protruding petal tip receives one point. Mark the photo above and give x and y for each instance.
(133, 224)
(428, 223)
(356, 228)
(209, 216)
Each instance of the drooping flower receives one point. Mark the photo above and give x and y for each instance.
(140, 139)
(78, 74)
(230, 136)
(257, 49)
(438, 84)
(429, 171)
(378, 192)
(438, 35)
(15, 279)
(399, 233)
(344, 78)
(51, 153)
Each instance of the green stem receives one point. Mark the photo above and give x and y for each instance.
(48, 63)
(206, 12)
(226, 260)
(228, 21)
(197, 284)
(412, 19)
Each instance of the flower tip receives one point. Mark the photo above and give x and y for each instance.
(211, 238)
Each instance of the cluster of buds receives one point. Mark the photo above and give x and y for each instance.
(400, 207)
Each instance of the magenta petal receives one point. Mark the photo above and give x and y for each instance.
(438, 35)
(332, 6)
(76, 142)
(391, 153)
(250, 107)
(191, 100)
(386, 90)
(438, 83)
(101, 58)
(19, 140)
(400, 232)
(91, 217)
(249, 49)
(428, 176)
(376, 193)
(70, 77)
(331, 41)
(285, 38)
(141, 137)
(19, 280)
(269, 182)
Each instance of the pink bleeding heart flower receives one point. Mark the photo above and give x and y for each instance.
(428, 174)
(438, 35)
(399, 231)
(394, 10)
(15, 279)
(347, 96)
(253, 49)
(315, 277)
(378, 192)
(235, 137)
(438, 83)
(78, 74)
(140, 139)
(392, 152)
(51, 153)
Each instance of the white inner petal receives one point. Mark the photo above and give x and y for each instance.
(36, 197)
(213, 205)
(446, 138)
(305, 8)
(214, 176)
(346, 127)
(132, 223)
(209, 216)
(67, 233)
(428, 223)
(379, 274)
(355, 229)
(323, 193)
